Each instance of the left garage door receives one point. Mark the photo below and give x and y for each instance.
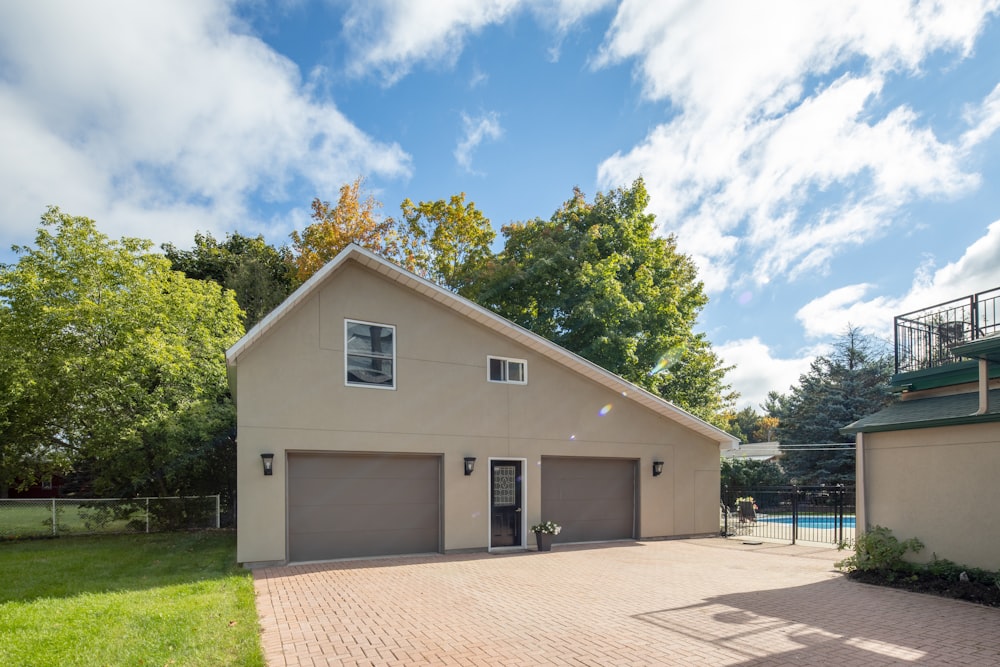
(351, 505)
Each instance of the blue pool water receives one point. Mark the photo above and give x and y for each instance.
(809, 521)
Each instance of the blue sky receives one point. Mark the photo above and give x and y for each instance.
(823, 163)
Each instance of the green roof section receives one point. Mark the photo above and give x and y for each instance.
(927, 413)
(984, 348)
(939, 376)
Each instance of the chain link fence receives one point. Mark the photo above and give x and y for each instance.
(43, 517)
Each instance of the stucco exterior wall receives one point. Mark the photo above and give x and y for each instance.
(292, 397)
(939, 485)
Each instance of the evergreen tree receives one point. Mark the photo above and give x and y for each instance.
(838, 389)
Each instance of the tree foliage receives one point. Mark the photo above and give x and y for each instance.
(260, 275)
(749, 426)
(354, 219)
(748, 474)
(838, 389)
(596, 280)
(447, 241)
(117, 361)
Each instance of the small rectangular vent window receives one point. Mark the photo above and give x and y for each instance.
(510, 371)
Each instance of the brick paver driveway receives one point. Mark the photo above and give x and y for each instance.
(687, 602)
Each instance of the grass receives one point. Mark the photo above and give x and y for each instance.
(35, 520)
(161, 599)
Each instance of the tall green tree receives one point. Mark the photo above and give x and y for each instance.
(447, 241)
(260, 275)
(850, 383)
(118, 360)
(597, 280)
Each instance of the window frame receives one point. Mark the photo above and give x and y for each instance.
(347, 352)
(506, 370)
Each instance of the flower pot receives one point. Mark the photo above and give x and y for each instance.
(544, 541)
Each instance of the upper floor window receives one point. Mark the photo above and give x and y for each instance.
(370, 354)
(511, 371)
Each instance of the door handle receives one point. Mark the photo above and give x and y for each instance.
(518, 509)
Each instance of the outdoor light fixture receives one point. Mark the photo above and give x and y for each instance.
(657, 468)
(470, 464)
(268, 460)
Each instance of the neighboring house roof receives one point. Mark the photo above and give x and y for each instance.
(928, 412)
(755, 451)
(484, 317)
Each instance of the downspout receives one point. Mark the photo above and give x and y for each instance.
(860, 515)
(984, 393)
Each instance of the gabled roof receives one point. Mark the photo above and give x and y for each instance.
(481, 316)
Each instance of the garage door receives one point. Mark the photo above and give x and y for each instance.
(592, 499)
(350, 505)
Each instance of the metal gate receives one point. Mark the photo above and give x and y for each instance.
(789, 513)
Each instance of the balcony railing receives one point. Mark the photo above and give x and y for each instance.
(925, 338)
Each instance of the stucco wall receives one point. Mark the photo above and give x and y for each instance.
(939, 485)
(292, 397)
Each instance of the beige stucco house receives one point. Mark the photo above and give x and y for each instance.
(397, 417)
(928, 466)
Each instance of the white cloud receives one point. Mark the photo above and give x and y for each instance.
(984, 120)
(390, 36)
(475, 130)
(827, 315)
(159, 119)
(757, 371)
(766, 127)
(978, 269)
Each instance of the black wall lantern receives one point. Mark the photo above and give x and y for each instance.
(657, 468)
(268, 460)
(470, 464)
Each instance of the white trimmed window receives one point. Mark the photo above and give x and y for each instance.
(510, 371)
(369, 354)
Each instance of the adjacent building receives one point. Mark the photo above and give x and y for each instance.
(928, 465)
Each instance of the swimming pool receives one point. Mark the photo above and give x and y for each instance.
(809, 521)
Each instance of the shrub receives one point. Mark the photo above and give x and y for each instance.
(878, 550)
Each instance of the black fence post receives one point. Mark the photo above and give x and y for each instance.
(840, 513)
(725, 510)
(795, 513)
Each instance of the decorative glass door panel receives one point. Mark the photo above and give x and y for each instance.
(505, 503)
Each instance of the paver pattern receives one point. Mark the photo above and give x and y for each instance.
(685, 602)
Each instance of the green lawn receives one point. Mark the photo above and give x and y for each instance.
(161, 599)
(35, 520)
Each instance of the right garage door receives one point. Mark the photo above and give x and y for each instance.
(592, 499)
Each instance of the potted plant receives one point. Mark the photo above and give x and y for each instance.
(544, 532)
(747, 509)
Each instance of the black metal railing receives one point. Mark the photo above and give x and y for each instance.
(925, 337)
(790, 513)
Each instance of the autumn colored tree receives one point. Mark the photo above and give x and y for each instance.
(354, 219)
(447, 241)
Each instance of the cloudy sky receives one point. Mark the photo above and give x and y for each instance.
(824, 163)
